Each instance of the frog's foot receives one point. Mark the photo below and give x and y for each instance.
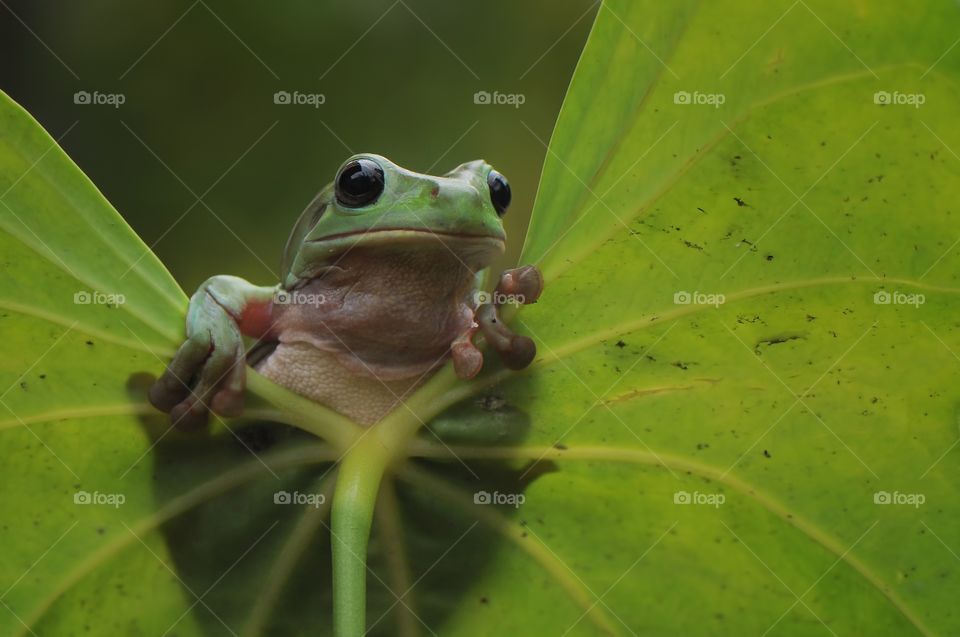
(519, 285)
(206, 374)
(515, 351)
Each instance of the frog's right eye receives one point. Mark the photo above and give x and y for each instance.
(359, 183)
(499, 192)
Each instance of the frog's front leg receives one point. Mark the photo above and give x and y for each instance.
(208, 371)
(519, 285)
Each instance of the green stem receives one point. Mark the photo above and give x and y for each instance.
(353, 503)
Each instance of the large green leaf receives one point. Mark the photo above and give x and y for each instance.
(787, 411)
(801, 400)
(87, 311)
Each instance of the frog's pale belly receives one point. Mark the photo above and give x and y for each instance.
(359, 338)
(316, 374)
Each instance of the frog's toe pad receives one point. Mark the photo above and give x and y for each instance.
(190, 415)
(521, 353)
(228, 403)
(525, 283)
(467, 359)
(164, 397)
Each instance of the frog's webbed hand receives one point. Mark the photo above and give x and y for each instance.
(208, 371)
(521, 286)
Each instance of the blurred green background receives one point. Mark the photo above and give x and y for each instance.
(199, 119)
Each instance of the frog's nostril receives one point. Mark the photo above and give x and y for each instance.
(435, 192)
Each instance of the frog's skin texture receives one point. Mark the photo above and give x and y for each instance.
(380, 280)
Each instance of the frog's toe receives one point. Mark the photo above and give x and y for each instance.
(189, 415)
(228, 399)
(521, 352)
(173, 386)
(524, 284)
(227, 403)
(515, 351)
(219, 372)
(467, 359)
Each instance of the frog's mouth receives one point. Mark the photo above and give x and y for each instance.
(475, 250)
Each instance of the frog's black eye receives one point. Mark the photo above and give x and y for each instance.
(359, 183)
(499, 192)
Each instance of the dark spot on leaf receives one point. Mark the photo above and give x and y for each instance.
(679, 364)
(769, 257)
(766, 454)
(560, 446)
(740, 202)
(90, 343)
(776, 340)
(621, 344)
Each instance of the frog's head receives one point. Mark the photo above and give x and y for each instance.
(373, 202)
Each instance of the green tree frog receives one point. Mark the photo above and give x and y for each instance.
(380, 287)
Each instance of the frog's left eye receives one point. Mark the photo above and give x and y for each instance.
(499, 192)
(359, 183)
